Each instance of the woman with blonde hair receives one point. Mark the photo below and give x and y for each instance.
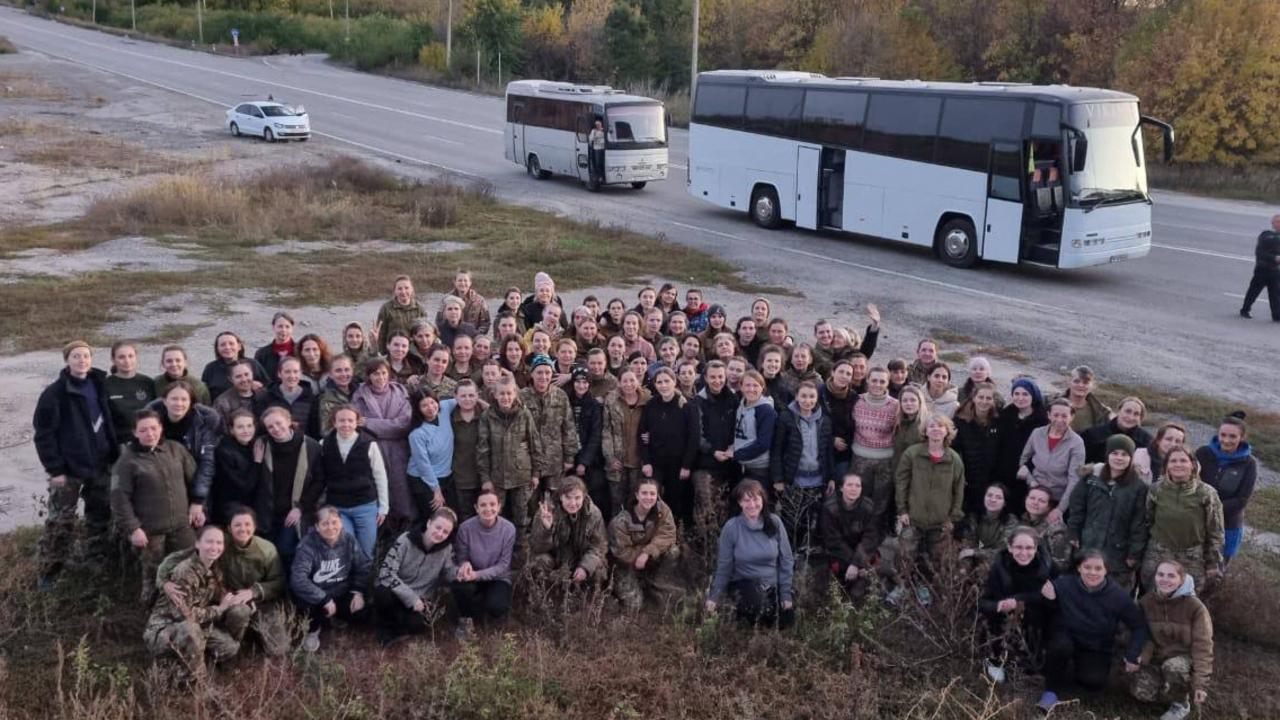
(929, 482)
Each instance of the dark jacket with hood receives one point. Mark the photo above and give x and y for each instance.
(201, 435)
(588, 417)
(1095, 439)
(1110, 516)
(1091, 617)
(238, 480)
(840, 409)
(673, 429)
(322, 572)
(217, 375)
(1008, 580)
(1014, 432)
(979, 448)
(849, 532)
(1233, 475)
(717, 416)
(305, 409)
(788, 445)
(72, 438)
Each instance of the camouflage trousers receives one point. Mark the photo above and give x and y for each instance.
(58, 541)
(191, 642)
(660, 579)
(548, 569)
(159, 546)
(1169, 681)
(1192, 559)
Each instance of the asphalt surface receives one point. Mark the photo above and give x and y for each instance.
(1168, 320)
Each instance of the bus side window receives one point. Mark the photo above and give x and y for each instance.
(1006, 171)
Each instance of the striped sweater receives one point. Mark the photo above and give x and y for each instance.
(873, 427)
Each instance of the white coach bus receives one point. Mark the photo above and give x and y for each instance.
(1050, 175)
(549, 123)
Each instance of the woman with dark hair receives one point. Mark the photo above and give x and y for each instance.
(387, 416)
(569, 542)
(329, 576)
(1185, 521)
(716, 323)
(336, 390)
(485, 542)
(1228, 466)
(1024, 413)
(985, 533)
(668, 299)
(772, 358)
(754, 564)
(281, 345)
(174, 363)
(198, 429)
(238, 478)
(1148, 461)
(405, 367)
(802, 468)
(1127, 421)
(669, 431)
(938, 388)
(414, 574)
(1090, 609)
(978, 442)
(314, 354)
(355, 344)
(1018, 572)
(1054, 535)
(200, 623)
(1053, 456)
(588, 419)
(850, 533)
(645, 547)
(128, 390)
(228, 349)
(611, 321)
(1178, 662)
(511, 354)
(749, 342)
(430, 466)
(1107, 511)
(299, 398)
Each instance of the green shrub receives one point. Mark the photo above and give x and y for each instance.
(432, 57)
(378, 40)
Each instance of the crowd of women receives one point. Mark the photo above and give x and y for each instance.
(424, 462)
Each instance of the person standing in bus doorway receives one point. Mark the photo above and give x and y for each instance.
(1266, 272)
(596, 141)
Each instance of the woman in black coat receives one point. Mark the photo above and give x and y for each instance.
(1024, 413)
(238, 477)
(669, 427)
(978, 443)
(848, 528)
(1014, 582)
(588, 464)
(802, 472)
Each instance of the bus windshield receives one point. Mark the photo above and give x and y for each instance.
(634, 124)
(1114, 169)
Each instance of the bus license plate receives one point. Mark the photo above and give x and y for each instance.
(1120, 257)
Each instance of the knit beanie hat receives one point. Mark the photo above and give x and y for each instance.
(1026, 383)
(580, 373)
(1120, 442)
(540, 359)
(542, 279)
(717, 310)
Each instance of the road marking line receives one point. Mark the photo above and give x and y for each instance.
(219, 103)
(249, 78)
(1210, 253)
(1233, 295)
(872, 268)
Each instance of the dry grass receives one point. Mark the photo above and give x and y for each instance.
(1247, 182)
(96, 152)
(17, 127)
(1263, 512)
(21, 86)
(6, 47)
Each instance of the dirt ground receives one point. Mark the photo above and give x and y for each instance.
(74, 135)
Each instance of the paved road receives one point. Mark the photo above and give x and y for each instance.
(1168, 318)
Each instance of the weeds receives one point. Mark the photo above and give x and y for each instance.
(6, 47)
(19, 86)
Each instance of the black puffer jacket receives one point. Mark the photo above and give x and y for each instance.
(717, 416)
(305, 410)
(840, 410)
(1095, 439)
(672, 427)
(238, 480)
(1008, 579)
(201, 440)
(64, 436)
(850, 534)
(1014, 433)
(979, 448)
(788, 446)
(588, 416)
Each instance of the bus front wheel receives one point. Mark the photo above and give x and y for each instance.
(638, 185)
(535, 168)
(958, 243)
(764, 208)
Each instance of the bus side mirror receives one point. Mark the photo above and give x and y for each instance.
(1166, 130)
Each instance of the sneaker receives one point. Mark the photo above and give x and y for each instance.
(895, 596)
(46, 582)
(995, 672)
(311, 642)
(1246, 314)
(1176, 711)
(1047, 700)
(466, 626)
(923, 596)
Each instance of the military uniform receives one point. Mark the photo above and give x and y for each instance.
(655, 536)
(201, 626)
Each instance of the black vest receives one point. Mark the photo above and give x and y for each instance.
(349, 482)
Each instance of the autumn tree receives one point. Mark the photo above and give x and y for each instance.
(546, 49)
(585, 39)
(882, 38)
(1212, 68)
(494, 27)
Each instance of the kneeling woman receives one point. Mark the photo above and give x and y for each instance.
(645, 549)
(417, 569)
(483, 551)
(1017, 574)
(1090, 608)
(196, 625)
(850, 535)
(329, 576)
(754, 566)
(570, 540)
(1177, 663)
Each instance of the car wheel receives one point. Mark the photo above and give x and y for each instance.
(235, 130)
(268, 135)
(304, 139)
(958, 243)
(764, 208)
(639, 185)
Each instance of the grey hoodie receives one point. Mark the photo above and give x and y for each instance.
(747, 553)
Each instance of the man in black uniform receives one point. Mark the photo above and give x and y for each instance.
(1266, 272)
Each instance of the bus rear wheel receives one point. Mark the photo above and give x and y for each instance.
(958, 243)
(638, 185)
(764, 208)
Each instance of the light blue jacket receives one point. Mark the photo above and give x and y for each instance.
(431, 447)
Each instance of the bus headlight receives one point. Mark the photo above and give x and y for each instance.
(1076, 243)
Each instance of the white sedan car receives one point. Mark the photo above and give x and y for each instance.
(269, 120)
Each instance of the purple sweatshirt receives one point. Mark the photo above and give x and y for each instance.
(487, 549)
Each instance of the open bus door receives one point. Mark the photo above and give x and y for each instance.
(517, 133)
(582, 146)
(1002, 236)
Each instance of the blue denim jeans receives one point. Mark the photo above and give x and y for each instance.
(362, 522)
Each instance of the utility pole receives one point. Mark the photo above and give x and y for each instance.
(347, 12)
(200, 19)
(693, 65)
(95, 12)
(133, 15)
(448, 38)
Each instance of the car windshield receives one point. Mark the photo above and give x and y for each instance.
(277, 111)
(637, 124)
(1114, 167)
